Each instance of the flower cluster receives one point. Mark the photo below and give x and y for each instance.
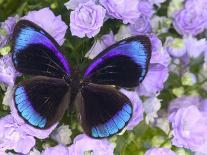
(169, 105)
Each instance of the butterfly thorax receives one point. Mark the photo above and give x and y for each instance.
(75, 84)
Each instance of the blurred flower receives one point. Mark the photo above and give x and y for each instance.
(72, 4)
(101, 44)
(122, 9)
(188, 79)
(158, 69)
(87, 19)
(191, 20)
(189, 122)
(175, 47)
(7, 97)
(138, 110)
(6, 30)
(194, 46)
(141, 26)
(13, 137)
(159, 151)
(62, 135)
(188, 45)
(160, 24)
(145, 8)
(83, 144)
(7, 71)
(59, 149)
(151, 107)
(46, 19)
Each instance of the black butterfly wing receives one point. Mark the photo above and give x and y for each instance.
(124, 64)
(104, 111)
(41, 101)
(35, 52)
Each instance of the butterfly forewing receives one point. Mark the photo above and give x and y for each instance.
(41, 101)
(104, 110)
(124, 64)
(35, 52)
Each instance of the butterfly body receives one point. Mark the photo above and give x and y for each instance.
(42, 100)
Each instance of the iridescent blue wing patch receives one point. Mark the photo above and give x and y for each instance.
(41, 101)
(124, 64)
(35, 52)
(104, 110)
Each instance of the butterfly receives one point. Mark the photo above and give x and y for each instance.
(54, 85)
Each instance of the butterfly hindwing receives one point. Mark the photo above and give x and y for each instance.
(123, 64)
(35, 52)
(41, 101)
(104, 111)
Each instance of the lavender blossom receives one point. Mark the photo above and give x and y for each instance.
(7, 71)
(141, 26)
(87, 19)
(159, 151)
(13, 137)
(53, 25)
(123, 10)
(192, 19)
(83, 144)
(62, 135)
(189, 132)
(6, 30)
(175, 47)
(138, 109)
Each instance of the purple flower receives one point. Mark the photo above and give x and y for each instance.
(7, 28)
(138, 109)
(101, 44)
(145, 7)
(158, 69)
(159, 151)
(87, 19)
(83, 144)
(175, 47)
(46, 19)
(7, 70)
(141, 26)
(59, 149)
(13, 137)
(191, 20)
(122, 9)
(72, 4)
(194, 46)
(188, 116)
